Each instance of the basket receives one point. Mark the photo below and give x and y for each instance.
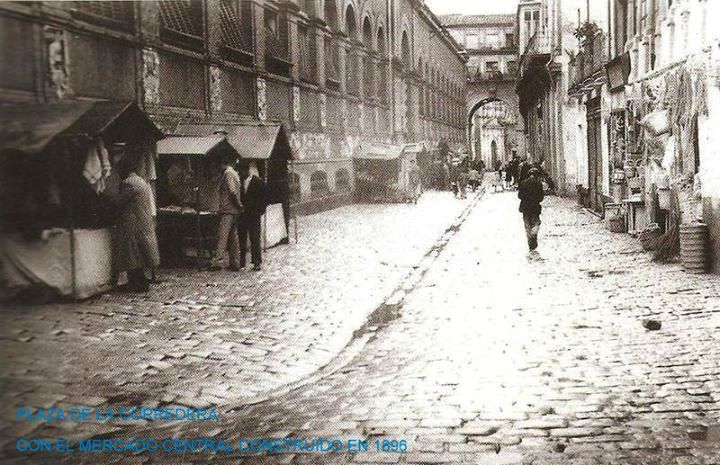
(649, 237)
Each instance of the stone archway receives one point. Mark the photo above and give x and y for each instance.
(480, 93)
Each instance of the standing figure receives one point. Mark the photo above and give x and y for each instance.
(530, 193)
(137, 251)
(253, 199)
(415, 181)
(229, 208)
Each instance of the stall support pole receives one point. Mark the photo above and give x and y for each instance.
(71, 197)
(293, 213)
(265, 178)
(200, 237)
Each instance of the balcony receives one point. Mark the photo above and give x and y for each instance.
(591, 58)
(491, 76)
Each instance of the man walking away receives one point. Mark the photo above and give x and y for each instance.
(531, 194)
(230, 206)
(253, 199)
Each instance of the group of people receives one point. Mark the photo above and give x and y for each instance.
(466, 175)
(241, 206)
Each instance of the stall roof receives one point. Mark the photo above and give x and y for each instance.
(193, 145)
(379, 152)
(31, 127)
(250, 140)
(417, 147)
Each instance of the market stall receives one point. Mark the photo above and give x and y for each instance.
(57, 185)
(382, 173)
(267, 146)
(188, 177)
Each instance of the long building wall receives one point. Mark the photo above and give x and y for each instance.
(338, 74)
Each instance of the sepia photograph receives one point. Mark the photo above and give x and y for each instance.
(342, 232)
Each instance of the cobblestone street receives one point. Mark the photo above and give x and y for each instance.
(213, 338)
(500, 356)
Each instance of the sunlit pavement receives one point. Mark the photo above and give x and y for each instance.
(216, 338)
(500, 356)
(506, 357)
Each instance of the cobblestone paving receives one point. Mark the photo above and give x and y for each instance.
(214, 338)
(504, 357)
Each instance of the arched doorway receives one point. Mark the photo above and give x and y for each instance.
(493, 133)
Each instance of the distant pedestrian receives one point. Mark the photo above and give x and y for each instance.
(414, 182)
(137, 248)
(229, 208)
(462, 181)
(530, 193)
(254, 204)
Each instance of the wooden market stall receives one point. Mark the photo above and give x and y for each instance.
(382, 173)
(188, 175)
(57, 184)
(266, 145)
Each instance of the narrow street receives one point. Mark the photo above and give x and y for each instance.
(500, 356)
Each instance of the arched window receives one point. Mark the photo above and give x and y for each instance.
(309, 7)
(350, 22)
(319, 183)
(342, 180)
(381, 40)
(294, 185)
(367, 33)
(331, 14)
(405, 49)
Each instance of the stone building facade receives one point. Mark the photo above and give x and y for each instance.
(496, 130)
(339, 74)
(621, 99)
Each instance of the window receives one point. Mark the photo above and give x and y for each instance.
(331, 14)
(182, 22)
(308, 7)
(235, 28)
(492, 66)
(332, 63)
(350, 23)
(405, 49)
(119, 15)
(471, 41)
(342, 180)
(319, 183)
(512, 67)
(276, 43)
(308, 54)
(509, 40)
(492, 40)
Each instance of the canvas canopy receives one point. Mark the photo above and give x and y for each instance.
(195, 146)
(379, 152)
(258, 141)
(30, 128)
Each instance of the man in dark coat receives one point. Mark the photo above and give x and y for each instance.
(253, 200)
(530, 193)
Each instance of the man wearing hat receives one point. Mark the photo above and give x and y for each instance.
(530, 193)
